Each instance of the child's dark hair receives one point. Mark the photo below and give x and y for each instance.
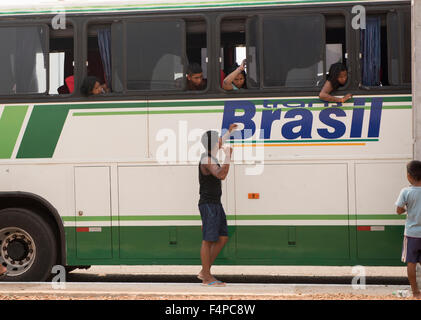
(233, 68)
(88, 85)
(209, 139)
(194, 68)
(414, 169)
(334, 71)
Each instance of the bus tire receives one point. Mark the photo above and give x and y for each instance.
(28, 247)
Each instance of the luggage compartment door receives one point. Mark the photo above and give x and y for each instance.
(93, 212)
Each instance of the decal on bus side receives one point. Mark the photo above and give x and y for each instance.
(330, 116)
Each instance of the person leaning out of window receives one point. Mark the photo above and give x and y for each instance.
(338, 75)
(236, 80)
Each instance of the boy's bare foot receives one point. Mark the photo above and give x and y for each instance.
(211, 281)
(417, 295)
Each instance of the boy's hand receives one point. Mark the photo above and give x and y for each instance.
(400, 210)
(346, 98)
(243, 65)
(232, 127)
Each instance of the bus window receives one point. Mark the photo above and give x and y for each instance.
(335, 40)
(233, 48)
(406, 66)
(373, 46)
(385, 50)
(399, 47)
(297, 50)
(61, 61)
(196, 48)
(99, 53)
(293, 51)
(252, 53)
(22, 60)
(152, 55)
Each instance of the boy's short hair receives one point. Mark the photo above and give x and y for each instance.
(209, 139)
(414, 169)
(88, 85)
(194, 68)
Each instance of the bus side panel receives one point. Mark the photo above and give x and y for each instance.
(158, 212)
(379, 228)
(301, 212)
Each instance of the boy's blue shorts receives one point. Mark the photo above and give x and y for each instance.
(411, 250)
(214, 221)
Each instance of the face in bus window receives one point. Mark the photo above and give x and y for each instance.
(343, 77)
(239, 81)
(195, 79)
(97, 88)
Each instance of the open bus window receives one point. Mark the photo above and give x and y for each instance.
(22, 60)
(233, 48)
(336, 49)
(61, 61)
(252, 53)
(99, 53)
(385, 50)
(196, 50)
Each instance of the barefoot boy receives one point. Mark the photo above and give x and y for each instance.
(214, 222)
(410, 198)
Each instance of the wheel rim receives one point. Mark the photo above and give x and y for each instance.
(17, 250)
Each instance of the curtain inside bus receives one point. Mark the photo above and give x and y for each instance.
(104, 44)
(22, 60)
(370, 49)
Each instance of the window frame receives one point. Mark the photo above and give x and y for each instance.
(145, 94)
(75, 59)
(401, 48)
(287, 15)
(349, 52)
(32, 23)
(372, 11)
(124, 51)
(46, 22)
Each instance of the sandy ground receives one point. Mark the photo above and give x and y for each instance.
(207, 297)
(130, 291)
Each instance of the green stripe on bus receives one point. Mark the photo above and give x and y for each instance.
(120, 113)
(186, 5)
(238, 217)
(10, 124)
(215, 103)
(42, 132)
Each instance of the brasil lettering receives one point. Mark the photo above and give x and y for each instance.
(298, 120)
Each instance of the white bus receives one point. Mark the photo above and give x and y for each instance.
(112, 179)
